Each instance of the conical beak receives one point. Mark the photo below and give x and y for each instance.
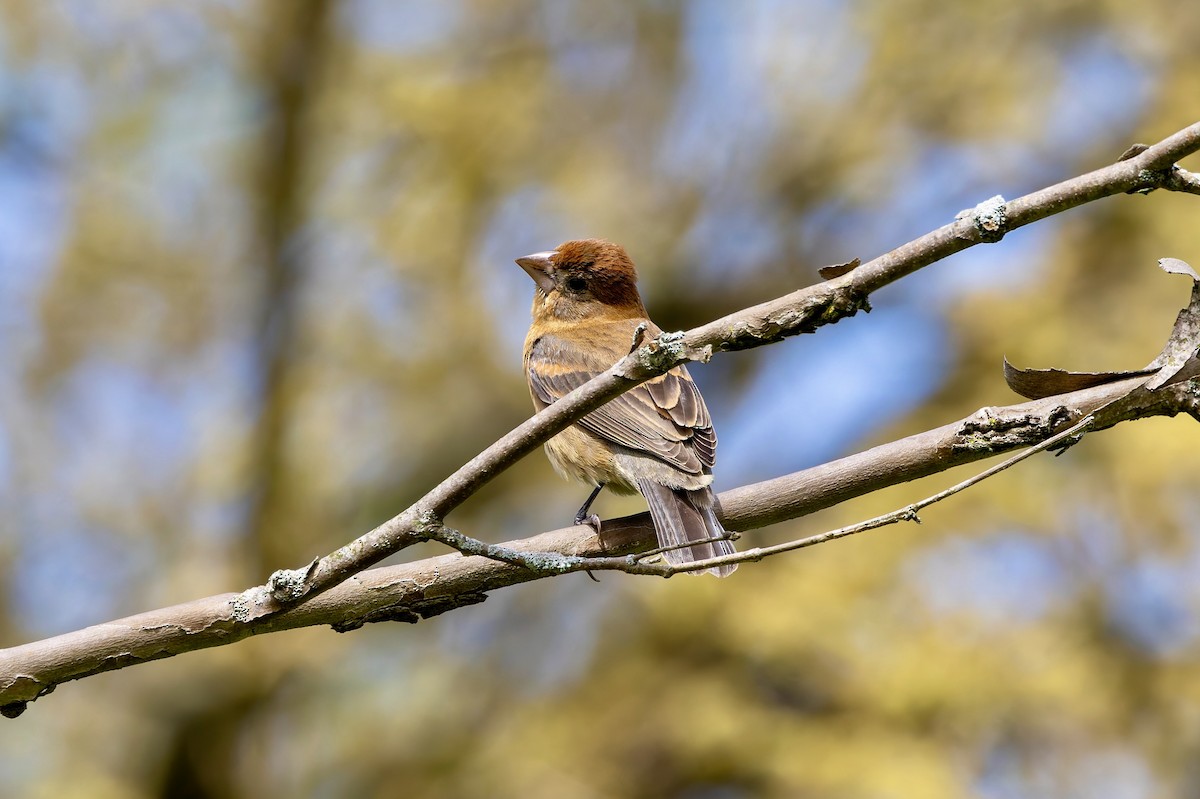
(540, 268)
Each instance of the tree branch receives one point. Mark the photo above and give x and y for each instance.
(319, 594)
(426, 588)
(801, 311)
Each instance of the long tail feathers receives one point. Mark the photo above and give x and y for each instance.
(681, 516)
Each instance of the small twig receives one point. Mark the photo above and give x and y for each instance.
(905, 514)
(730, 535)
(639, 335)
(1182, 180)
(546, 563)
(555, 563)
(540, 562)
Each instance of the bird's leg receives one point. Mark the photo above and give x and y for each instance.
(592, 520)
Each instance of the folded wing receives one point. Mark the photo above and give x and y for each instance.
(664, 417)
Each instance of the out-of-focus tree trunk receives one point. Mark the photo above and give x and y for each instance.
(291, 66)
(203, 754)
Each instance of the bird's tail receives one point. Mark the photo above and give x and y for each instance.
(681, 516)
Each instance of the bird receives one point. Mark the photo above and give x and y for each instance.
(656, 439)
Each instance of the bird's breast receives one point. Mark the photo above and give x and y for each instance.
(576, 454)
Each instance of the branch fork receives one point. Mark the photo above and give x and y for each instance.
(323, 593)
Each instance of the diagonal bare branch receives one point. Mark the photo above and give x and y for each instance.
(801, 311)
(324, 593)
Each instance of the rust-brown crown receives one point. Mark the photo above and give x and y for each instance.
(611, 275)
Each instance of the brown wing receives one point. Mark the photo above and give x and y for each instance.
(664, 417)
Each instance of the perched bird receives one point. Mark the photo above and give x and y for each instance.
(656, 439)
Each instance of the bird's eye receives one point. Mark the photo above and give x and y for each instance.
(576, 284)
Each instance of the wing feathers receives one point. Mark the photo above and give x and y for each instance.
(664, 417)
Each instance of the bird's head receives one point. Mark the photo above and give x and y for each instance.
(584, 277)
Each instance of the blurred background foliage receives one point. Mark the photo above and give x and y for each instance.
(257, 294)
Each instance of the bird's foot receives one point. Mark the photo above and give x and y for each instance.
(591, 520)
